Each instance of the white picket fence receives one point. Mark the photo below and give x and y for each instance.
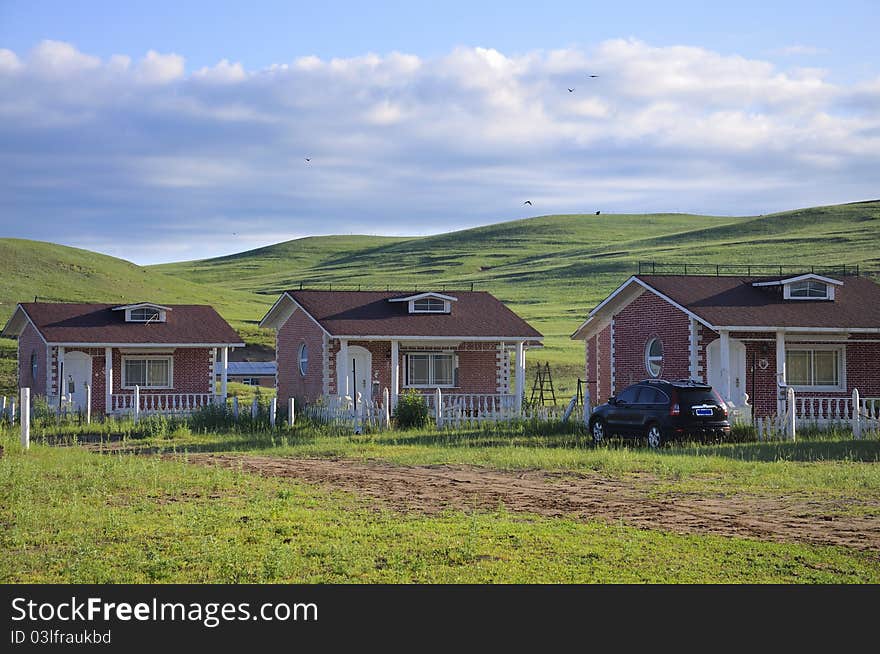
(347, 412)
(449, 410)
(861, 414)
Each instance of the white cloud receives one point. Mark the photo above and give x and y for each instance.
(400, 143)
(58, 59)
(157, 68)
(223, 73)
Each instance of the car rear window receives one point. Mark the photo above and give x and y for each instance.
(693, 396)
(648, 395)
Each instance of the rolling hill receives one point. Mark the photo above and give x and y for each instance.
(551, 269)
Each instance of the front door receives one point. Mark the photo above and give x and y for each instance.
(360, 363)
(77, 373)
(737, 366)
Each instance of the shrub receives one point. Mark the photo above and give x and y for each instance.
(411, 411)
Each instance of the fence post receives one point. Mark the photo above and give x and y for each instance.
(88, 404)
(254, 408)
(25, 418)
(791, 427)
(273, 405)
(438, 407)
(137, 403)
(386, 400)
(12, 412)
(856, 414)
(235, 406)
(291, 411)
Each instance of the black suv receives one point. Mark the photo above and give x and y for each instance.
(660, 410)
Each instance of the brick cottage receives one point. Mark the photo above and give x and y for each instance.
(167, 352)
(750, 337)
(358, 343)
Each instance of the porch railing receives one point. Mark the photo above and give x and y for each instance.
(484, 406)
(161, 402)
(861, 414)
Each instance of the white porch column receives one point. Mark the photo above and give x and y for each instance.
(725, 364)
(395, 372)
(520, 367)
(694, 372)
(108, 380)
(342, 368)
(224, 368)
(781, 378)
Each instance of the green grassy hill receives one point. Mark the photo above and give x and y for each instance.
(550, 269)
(553, 269)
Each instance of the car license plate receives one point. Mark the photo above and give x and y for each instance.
(705, 412)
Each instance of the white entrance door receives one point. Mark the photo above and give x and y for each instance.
(360, 366)
(77, 373)
(737, 366)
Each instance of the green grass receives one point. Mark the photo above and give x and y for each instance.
(70, 516)
(550, 269)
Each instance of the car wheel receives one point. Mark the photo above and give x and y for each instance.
(598, 430)
(654, 436)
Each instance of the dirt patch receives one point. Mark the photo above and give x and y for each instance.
(430, 489)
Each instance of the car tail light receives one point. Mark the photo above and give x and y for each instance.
(674, 407)
(721, 402)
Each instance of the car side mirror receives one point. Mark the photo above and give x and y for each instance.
(612, 400)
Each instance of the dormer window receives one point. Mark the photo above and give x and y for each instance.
(807, 289)
(144, 312)
(143, 315)
(430, 305)
(803, 287)
(427, 303)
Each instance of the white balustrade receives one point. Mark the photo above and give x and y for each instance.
(160, 402)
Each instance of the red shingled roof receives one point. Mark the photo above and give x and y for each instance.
(97, 323)
(733, 301)
(369, 313)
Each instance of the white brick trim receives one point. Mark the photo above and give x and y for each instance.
(613, 380)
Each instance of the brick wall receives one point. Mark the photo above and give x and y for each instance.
(290, 382)
(30, 343)
(645, 318)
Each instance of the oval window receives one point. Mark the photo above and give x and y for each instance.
(303, 359)
(654, 357)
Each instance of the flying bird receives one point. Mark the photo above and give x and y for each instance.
(571, 90)
(307, 160)
(592, 76)
(598, 212)
(528, 202)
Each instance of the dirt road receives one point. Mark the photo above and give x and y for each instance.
(429, 489)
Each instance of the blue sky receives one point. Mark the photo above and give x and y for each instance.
(195, 118)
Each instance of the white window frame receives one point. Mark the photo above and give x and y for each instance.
(407, 356)
(153, 310)
(655, 359)
(303, 363)
(787, 288)
(447, 305)
(169, 359)
(841, 368)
